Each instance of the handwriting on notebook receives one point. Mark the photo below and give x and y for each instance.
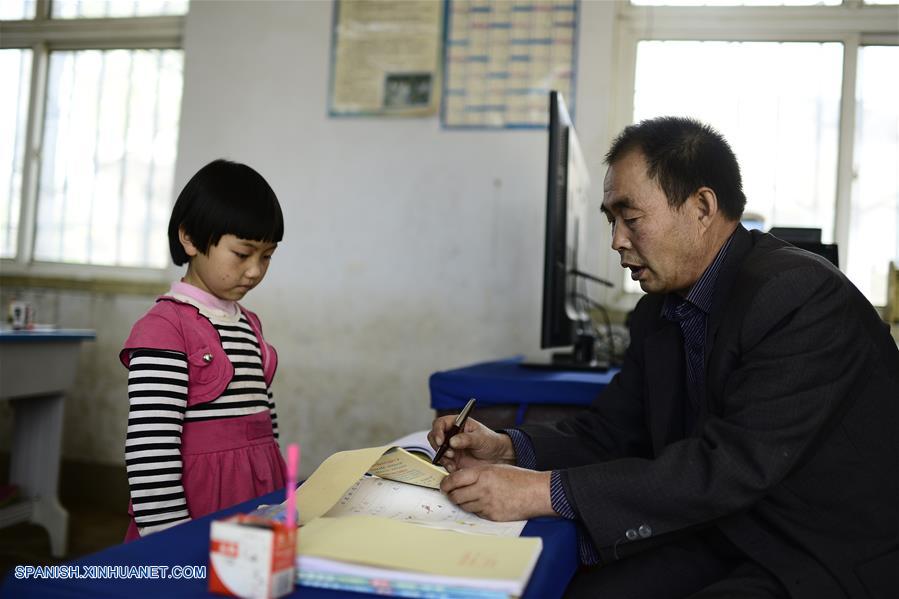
(475, 559)
(374, 496)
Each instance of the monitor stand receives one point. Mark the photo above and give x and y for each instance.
(582, 357)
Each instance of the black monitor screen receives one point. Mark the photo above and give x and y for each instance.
(809, 240)
(565, 243)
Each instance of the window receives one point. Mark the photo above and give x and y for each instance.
(94, 9)
(15, 68)
(88, 139)
(778, 105)
(735, 2)
(803, 90)
(11, 10)
(874, 216)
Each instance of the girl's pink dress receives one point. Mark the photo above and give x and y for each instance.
(225, 462)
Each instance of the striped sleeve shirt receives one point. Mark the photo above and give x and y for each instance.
(157, 392)
(247, 392)
(157, 396)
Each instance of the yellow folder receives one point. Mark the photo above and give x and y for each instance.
(476, 561)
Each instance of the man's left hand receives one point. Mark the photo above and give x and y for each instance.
(500, 492)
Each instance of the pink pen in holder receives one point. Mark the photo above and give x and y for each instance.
(293, 465)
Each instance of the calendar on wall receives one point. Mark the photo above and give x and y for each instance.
(501, 59)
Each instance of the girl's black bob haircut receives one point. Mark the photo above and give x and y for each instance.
(224, 198)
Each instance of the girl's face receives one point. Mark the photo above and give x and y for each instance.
(230, 268)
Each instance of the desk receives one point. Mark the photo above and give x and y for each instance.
(510, 394)
(188, 544)
(36, 368)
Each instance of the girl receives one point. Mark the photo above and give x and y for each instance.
(202, 432)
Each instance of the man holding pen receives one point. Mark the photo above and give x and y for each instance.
(748, 446)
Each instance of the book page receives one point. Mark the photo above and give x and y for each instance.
(341, 470)
(331, 480)
(417, 443)
(400, 465)
(405, 503)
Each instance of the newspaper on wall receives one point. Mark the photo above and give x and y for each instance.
(385, 57)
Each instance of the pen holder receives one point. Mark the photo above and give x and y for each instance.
(251, 557)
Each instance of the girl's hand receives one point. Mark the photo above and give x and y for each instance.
(474, 445)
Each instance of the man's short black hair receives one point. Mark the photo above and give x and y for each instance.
(224, 198)
(683, 155)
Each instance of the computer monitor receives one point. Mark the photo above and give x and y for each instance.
(565, 318)
(808, 239)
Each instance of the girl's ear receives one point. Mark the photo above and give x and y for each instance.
(189, 248)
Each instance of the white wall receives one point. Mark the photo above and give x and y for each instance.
(408, 248)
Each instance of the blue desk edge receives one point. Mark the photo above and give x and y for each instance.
(506, 382)
(13, 335)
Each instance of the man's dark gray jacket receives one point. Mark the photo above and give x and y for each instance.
(795, 457)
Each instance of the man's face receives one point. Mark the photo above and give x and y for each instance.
(659, 244)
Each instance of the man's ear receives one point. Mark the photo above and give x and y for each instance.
(189, 248)
(706, 204)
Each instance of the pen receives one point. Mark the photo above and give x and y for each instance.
(457, 426)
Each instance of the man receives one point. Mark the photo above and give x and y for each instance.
(748, 446)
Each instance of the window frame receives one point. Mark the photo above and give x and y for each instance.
(853, 24)
(43, 35)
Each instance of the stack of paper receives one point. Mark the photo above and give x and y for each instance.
(388, 534)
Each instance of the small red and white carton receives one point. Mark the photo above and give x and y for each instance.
(251, 557)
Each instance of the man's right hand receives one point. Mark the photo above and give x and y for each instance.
(474, 445)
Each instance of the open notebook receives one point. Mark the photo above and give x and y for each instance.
(374, 520)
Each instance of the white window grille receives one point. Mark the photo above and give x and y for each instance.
(88, 142)
(806, 94)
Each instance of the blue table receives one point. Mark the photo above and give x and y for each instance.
(188, 545)
(508, 384)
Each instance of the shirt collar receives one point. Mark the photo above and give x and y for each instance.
(701, 293)
(208, 304)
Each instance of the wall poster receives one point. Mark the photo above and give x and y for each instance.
(503, 58)
(385, 57)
